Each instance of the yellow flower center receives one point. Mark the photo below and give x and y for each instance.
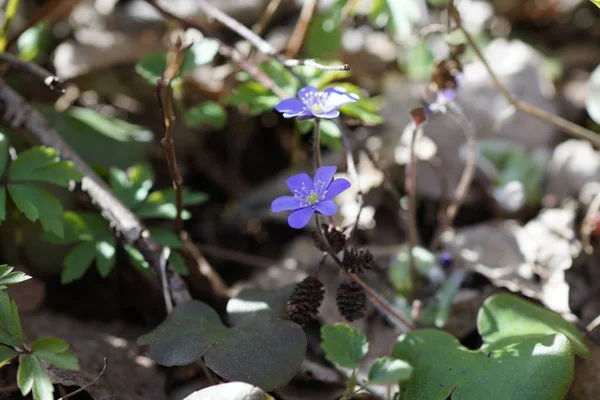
(312, 198)
(317, 109)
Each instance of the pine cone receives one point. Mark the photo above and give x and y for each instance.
(335, 237)
(351, 300)
(303, 305)
(357, 260)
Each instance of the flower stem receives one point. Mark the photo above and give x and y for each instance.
(411, 181)
(317, 144)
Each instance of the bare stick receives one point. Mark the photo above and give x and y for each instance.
(411, 183)
(589, 224)
(164, 257)
(295, 42)
(260, 27)
(466, 177)
(561, 123)
(81, 389)
(314, 64)
(19, 115)
(33, 70)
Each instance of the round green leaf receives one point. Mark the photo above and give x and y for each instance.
(230, 391)
(254, 302)
(343, 345)
(48, 345)
(535, 368)
(505, 316)
(592, 103)
(389, 371)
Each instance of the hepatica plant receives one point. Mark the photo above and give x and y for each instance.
(312, 103)
(310, 196)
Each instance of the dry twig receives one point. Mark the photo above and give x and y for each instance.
(295, 42)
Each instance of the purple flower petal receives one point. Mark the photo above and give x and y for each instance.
(300, 218)
(305, 116)
(300, 184)
(337, 99)
(292, 115)
(302, 93)
(329, 115)
(323, 178)
(285, 203)
(337, 187)
(327, 207)
(290, 106)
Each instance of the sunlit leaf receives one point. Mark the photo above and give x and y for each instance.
(207, 113)
(389, 371)
(133, 185)
(36, 204)
(43, 164)
(344, 345)
(10, 325)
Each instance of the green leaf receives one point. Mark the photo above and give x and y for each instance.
(178, 263)
(36, 204)
(2, 204)
(54, 350)
(403, 15)
(77, 262)
(33, 41)
(324, 36)
(3, 153)
(364, 109)
(596, 2)
(32, 375)
(389, 371)
(343, 345)
(100, 139)
(425, 262)
(208, 113)
(137, 258)
(592, 103)
(330, 134)
(161, 204)
(230, 391)
(266, 352)
(26, 373)
(132, 186)
(419, 62)
(255, 303)
(10, 324)
(81, 226)
(43, 164)
(533, 368)
(254, 95)
(166, 238)
(105, 256)
(48, 345)
(6, 355)
(8, 277)
(505, 316)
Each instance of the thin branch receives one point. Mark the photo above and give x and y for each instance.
(589, 224)
(466, 177)
(306, 14)
(260, 27)
(204, 268)
(314, 64)
(81, 389)
(18, 114)
(411, 183)
(561, 123)
(33, 70)
(164, 257)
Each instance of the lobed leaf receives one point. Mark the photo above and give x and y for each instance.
(54, 350)
(77, 262)
(43, 164)
(6, 355)
(8, 277)
(161, 204)
(10, 325)
(36, 204)
(132, 186)
(389, 371)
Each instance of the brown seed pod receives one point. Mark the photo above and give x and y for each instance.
(357, 260)
(303, 305)
(351, 300)
(335, 237)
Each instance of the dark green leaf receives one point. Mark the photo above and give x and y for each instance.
(166, 238)
(62, 360)
(43, 164)
(255, 303)
(419, 62)
(505, 316)
(324, 36)
(330, 134)
(132, 186)
(2, 203)
(10, 324)
(137, 258)
(8, 277)
(3, 153)
(535, 368)
(403, 15)
(208, 113)
(77, 262)
(161, 204)
(82, 226)
(152, 67)
(178, 263)
(230, 391)
(6, 355)
(101, 140)
(105, 256)
(343, 345)
(254, 95)
(36, 204)
(265, 352)
(389, 371)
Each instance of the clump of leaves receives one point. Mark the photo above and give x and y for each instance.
(95, 241)
(31, 374)
(21, 179)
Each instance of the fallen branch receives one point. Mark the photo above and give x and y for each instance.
(34, 71)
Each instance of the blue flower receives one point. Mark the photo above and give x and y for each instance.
(315, 104)
(310, 196)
